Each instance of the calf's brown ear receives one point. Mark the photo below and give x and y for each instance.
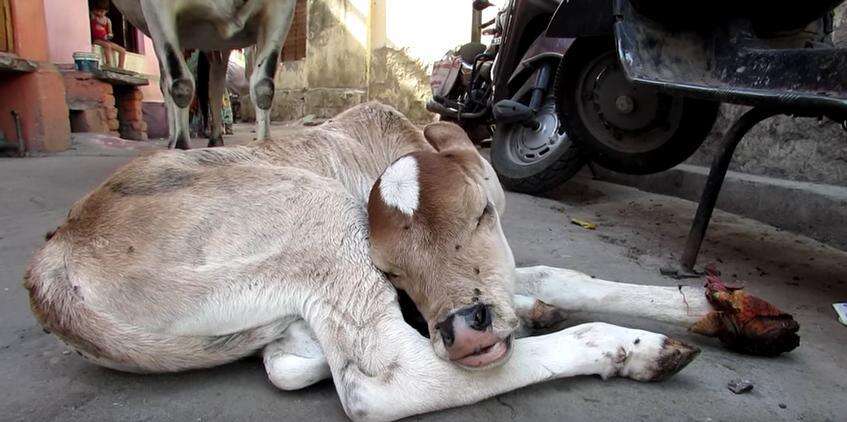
(444, 136)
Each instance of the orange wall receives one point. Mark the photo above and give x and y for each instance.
(38, 96)
(30, 29)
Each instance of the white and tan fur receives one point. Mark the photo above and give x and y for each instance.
(212, 25)
(193, 259)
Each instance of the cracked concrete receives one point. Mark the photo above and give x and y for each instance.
(637, 233)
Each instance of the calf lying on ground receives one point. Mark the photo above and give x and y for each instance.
(295, 248)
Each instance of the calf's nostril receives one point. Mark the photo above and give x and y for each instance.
(479, 317)
(446, 328)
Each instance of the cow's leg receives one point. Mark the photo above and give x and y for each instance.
(177, 82)
(295, 361)
(177, 117)
(742, 322)
(217, 80)
(275, 24)
(392, 372)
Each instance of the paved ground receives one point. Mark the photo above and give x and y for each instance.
(637, 233)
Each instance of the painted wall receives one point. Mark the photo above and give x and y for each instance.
(29, 23)
(370, 49)
(68, 29)
(151, 92)
(42, 110)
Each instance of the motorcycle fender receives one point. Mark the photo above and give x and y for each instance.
(544, 48)
(582, 18)
(445, 72)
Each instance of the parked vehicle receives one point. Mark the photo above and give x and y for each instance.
(508, 86)
(633, 85)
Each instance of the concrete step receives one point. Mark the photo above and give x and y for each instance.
(815, 210)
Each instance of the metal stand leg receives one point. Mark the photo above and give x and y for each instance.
(716, 177)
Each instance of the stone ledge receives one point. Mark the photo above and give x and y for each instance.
(12, 63)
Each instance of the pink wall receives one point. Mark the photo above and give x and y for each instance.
(68, 28)
(151, 92)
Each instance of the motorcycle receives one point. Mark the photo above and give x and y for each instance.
(531, 151)
(633, 85)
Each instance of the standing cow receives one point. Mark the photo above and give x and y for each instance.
(212, 25)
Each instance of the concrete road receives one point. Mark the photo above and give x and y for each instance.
(637, 233)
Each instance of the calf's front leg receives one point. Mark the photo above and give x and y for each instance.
(296, 360)
(742, 322)
(416, 381)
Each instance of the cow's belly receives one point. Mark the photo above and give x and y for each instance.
(197, 24)
(204, 35)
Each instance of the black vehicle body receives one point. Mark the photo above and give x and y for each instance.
(635, 85)
(754, 52)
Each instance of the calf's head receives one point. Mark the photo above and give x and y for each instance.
(435, 230)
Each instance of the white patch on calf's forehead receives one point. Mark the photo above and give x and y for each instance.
(399, 186)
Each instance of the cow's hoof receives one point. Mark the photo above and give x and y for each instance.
(264, 93)
(674, 356)
(182, 92)
(216, 142)
(182, 144)
(746, 323)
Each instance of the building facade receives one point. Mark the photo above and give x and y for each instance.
(43, 94)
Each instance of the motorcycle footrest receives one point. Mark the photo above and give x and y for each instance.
(510, 111)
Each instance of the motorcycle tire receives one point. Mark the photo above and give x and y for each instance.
(529, 175)
(623, 127)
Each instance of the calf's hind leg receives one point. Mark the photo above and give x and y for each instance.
(296, 360)
(741, 321)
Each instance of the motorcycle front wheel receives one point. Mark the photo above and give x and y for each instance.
(534, 160)
(622, 126)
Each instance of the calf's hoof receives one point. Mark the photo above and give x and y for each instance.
(674, 356)
(264, 93)
(182, 92)
(746, 323)
(636, 354)
(216, 142)
(544, 316)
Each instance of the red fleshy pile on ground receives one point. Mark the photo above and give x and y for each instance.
(746, 323)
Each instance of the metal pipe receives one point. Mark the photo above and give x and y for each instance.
(476, 25)
(540, 87)
(438, 108)
(19, 133)
(717, 174)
